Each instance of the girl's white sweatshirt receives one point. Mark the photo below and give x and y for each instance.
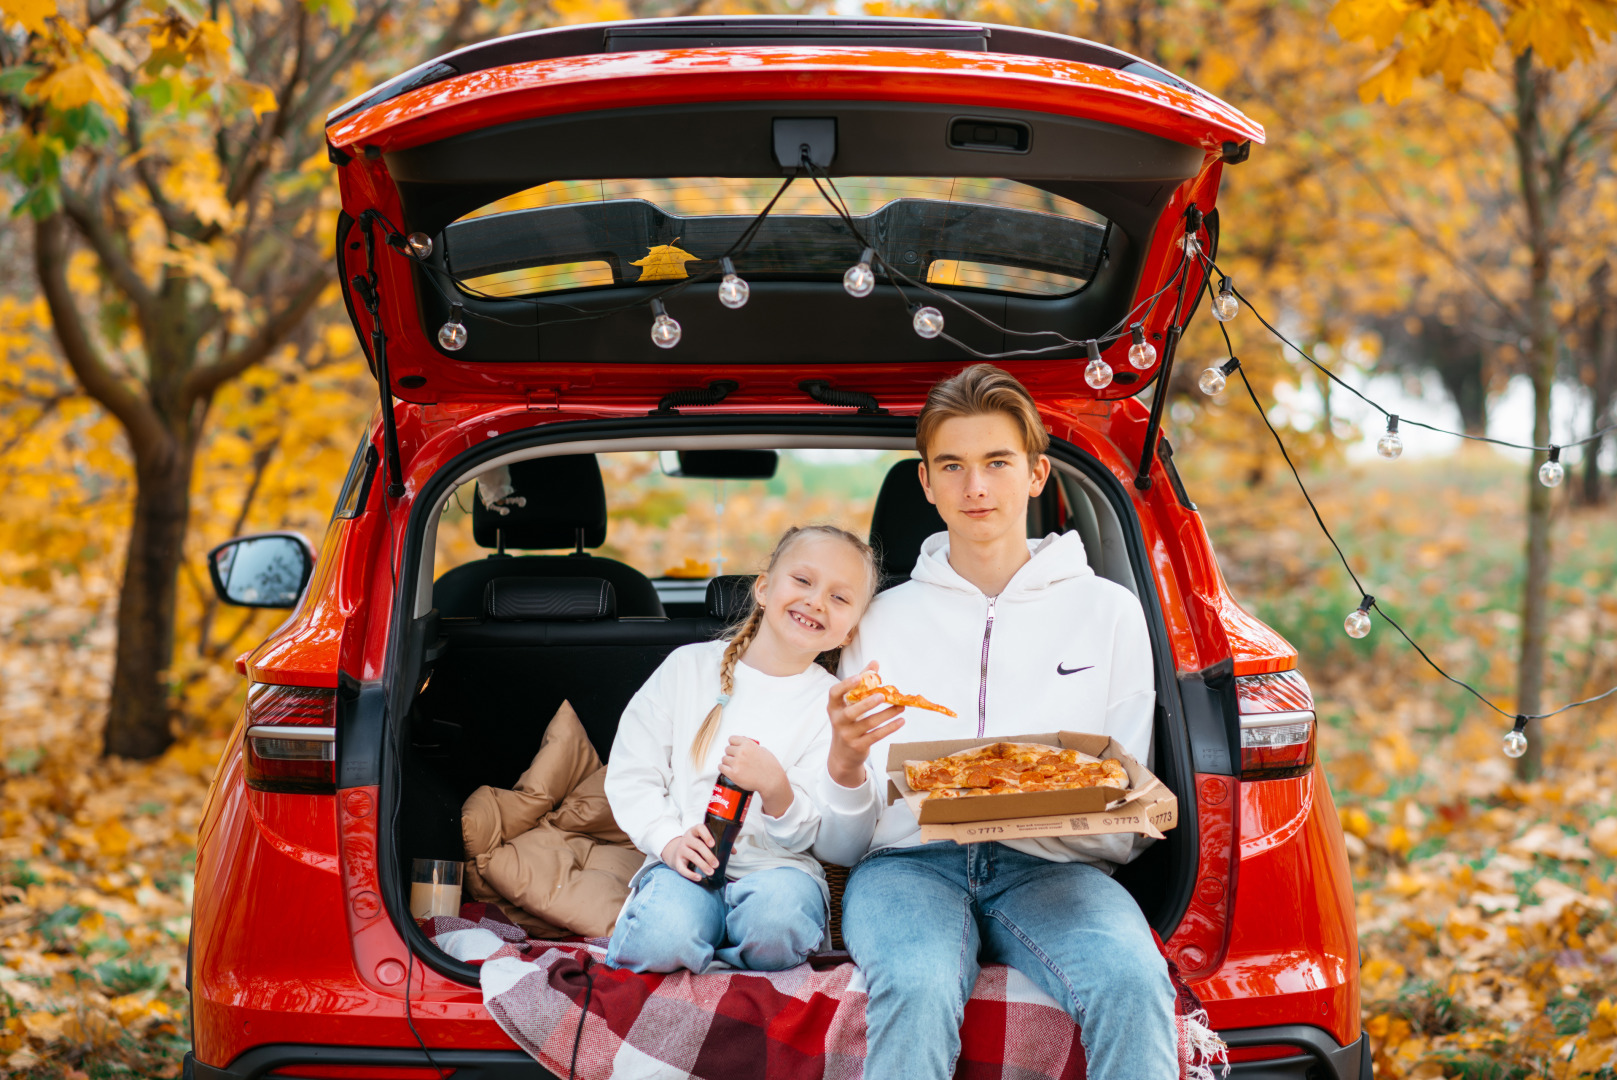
(1059, 649)
(657, 792)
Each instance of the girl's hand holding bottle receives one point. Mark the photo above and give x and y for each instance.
(756, 769)
(691, 853)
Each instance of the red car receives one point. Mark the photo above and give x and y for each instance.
(543, 245)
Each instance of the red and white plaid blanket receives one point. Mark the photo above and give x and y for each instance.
(577, 1017)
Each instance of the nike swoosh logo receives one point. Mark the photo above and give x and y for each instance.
(1071, 671)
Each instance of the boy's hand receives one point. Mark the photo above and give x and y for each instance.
(691, 853)
(856, 728)
(756, 769)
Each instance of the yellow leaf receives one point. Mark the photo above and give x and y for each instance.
(1379, 20)
(31, 13)
(112, 838)
(110, 48)
(210, 45)
(664, 262)
(260, 98)
(82, 83)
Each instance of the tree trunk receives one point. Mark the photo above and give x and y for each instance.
(1541, 358)
(140, 711)
(1603, 386)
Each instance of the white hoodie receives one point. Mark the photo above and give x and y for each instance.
(1058, 650)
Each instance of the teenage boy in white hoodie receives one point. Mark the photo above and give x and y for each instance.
(1015, 635)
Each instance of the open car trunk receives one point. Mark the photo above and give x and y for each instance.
(472, 695)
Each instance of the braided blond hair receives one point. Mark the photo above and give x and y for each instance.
(747, 628)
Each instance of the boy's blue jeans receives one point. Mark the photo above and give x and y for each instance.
(919, 920)
(766, 921)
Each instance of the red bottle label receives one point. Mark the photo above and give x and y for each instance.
(725, 802)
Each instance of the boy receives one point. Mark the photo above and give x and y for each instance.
(1017, 635)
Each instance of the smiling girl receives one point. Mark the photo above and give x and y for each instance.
(751, 708)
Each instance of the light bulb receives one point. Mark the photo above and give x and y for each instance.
(1212, 381)
(1097, 373)
(665, 331)
(1515, 744)
(1391, 444)
(1357, 624)
(452, 334)
(733, 292)
(420, 244)
(1225, 305)
(859, 280)
(928, 321)
(1552, 472)
(1142, 354)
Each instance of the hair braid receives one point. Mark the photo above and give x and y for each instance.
(727, 670)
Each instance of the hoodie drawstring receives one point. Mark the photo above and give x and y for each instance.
(982, 686)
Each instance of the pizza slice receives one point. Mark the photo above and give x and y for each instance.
(870, 684)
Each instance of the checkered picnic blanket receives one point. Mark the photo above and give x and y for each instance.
(577, 1017)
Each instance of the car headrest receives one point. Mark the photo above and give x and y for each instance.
(561, 495)
(901, 521)
(729, 595)
(556, 599)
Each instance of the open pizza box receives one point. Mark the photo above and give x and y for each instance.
(1146, 806)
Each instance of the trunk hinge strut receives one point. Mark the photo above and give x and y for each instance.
(365, 286)
(1176, 329)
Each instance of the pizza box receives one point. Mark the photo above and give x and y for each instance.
(1146, 806)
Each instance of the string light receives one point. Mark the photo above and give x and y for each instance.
(928, 321)
(1225, 305)
(1142, 354)
(420, 244)
(1552, 472)
(1097, 373)
(452, 334)
(859, 280)
(1214, 378)
(1515, 741)
(733, 292)
(1391, 444)
(1357, 624)
(665, 331)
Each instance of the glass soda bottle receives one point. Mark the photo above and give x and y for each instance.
(726, 810)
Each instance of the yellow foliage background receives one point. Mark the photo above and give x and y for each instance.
(1485, 905)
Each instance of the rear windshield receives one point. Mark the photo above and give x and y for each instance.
(976, 233)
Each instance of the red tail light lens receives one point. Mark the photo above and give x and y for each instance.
(292, 739)
(1277, 725)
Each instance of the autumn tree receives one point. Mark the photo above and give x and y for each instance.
(1536, 69)
(171, 160)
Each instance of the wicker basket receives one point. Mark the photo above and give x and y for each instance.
(837, 878)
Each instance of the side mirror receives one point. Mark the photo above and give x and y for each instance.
(266, 571)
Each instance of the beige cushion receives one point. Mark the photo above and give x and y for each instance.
(549, 852)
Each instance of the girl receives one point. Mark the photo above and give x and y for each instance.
(752, 708)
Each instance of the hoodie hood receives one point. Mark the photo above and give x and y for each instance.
(1057, 558)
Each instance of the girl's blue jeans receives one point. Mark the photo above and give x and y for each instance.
(765, 921)
(919, 920)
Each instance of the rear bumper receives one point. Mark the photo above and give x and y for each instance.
(1318, 1054)
(1319, 1058)
(467, 1064)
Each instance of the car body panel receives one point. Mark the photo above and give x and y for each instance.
(818, 73)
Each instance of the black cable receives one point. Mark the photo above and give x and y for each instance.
(1376, 604)
(742, 242)
(409, 1019)
(578, 1036)
(1329, 374)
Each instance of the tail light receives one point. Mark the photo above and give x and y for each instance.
(1277, 725)
(292, 739)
